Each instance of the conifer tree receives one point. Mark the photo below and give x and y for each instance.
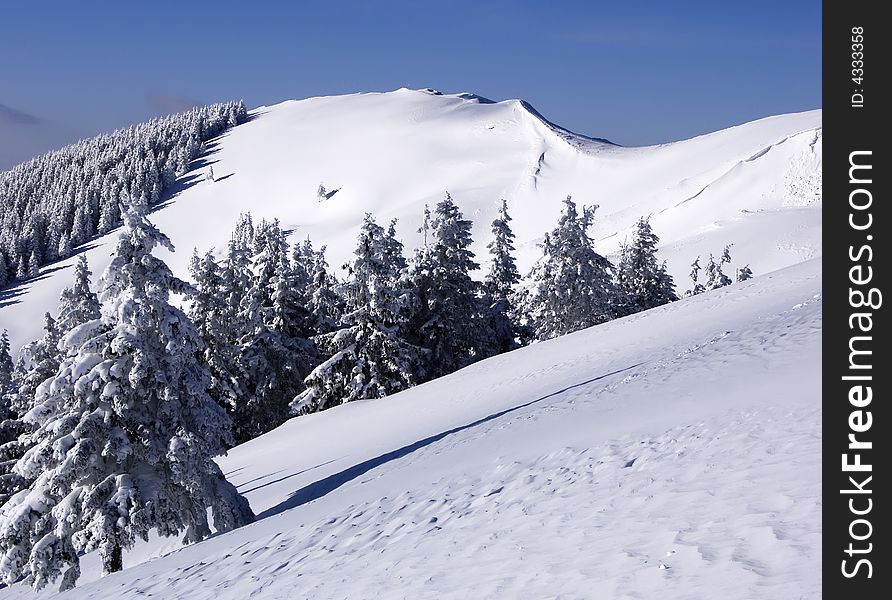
(4, 270)
(715, 278)
(125, 432)
(744, 273)
(698, 288)
(39, 361)
(448, 319)
(77, 303)
(369, 356)
(572, 285)
(6, 364)
(503, 274)
(324, 302)
(645, 281)
(276, 353)
(215, 319)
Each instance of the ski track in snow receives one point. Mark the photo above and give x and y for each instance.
(673, 453)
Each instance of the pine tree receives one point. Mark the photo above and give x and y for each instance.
(503, 274)
(39, 361)
(215, 319)
(572, 285)
(78, 304)
(324, 302)
(501, 329)
(369, 356)
(715, 278)
(124, 433)
(744, 273)
(4, 270)
(698, 288)
(64, 248)
(276, 353)
(645, 281)
(34, 264)
(448, 317)
(6, 364)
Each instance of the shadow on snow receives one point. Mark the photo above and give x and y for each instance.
(320, 488)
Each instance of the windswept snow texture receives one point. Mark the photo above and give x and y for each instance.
(674, 453)
(756, 185)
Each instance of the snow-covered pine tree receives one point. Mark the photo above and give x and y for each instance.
(572, 285)
(37, 361)
(698, 288)
(276, 353)
(237, 275)
(369, 356)
(324, 301)
(726, 255)
(645, 281)
(448, 318)
(77, 303)
(34, 264)
(744, 273)
(6, 364)
(499, 285)
(125, 432)
(503, 274)
(715, 278)
(215, 320)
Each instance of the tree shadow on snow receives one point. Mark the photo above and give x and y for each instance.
(320, 488)
(19, 287)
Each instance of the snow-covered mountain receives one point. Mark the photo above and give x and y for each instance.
(674, 453)
(757, 185)
(670, 454)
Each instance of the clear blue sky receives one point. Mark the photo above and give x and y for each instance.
(635, 72)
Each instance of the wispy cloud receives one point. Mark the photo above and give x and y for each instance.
(9, 114)
(166, 104)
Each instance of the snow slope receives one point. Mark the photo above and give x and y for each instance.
(756, 185)
(674, 453)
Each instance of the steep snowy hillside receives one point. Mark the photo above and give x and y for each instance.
(671, 454)
(756, 185)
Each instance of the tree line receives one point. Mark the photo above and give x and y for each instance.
(56, 202)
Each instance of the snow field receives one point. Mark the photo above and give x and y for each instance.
(673, 453)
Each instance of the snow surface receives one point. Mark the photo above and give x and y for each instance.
(674, 453)
(757, 185)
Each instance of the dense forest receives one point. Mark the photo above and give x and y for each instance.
(53, 203)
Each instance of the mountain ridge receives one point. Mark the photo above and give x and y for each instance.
(390, 153)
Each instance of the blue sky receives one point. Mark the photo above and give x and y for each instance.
(635, 72)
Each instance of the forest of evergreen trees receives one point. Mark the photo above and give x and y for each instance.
(53, 203)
